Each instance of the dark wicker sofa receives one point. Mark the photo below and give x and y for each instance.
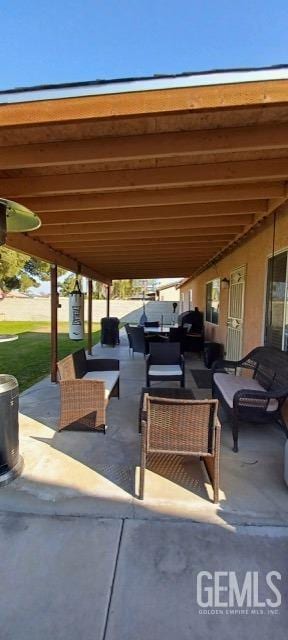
(256, 398)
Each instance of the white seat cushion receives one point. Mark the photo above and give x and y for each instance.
(108, 377)
(165, 370)
(229, 385)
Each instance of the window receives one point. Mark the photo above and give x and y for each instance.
(190, 299)
(276, 320)
(212, 301)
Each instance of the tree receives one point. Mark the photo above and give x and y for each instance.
(125, 289)
(12, 269)
(99, 292)
(67, 285)
(18, 271)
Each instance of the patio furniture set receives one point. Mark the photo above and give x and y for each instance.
(171, 421)
(140, 338)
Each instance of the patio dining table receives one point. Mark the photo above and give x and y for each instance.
(161, 329)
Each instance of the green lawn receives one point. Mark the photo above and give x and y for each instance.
(28, 359)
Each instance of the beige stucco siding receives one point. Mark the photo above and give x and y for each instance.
(253, 253)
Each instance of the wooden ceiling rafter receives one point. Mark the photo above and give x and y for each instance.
(178, 199)
(153, 145)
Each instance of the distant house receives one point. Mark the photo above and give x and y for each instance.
(16, 294)
(168, 292)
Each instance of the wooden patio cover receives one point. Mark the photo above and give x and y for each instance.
(148, 183)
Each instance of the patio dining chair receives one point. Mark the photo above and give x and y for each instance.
(165, 362)
(178, 334)
(184, 428)
(137, 340)
(128, 332)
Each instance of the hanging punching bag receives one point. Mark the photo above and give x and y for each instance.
(76, 313)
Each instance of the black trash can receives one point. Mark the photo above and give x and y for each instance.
(212, 351)
(10, 462)
(110, 331)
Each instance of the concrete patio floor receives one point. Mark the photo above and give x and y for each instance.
(82, 556)
(115, 579)
(71, 473)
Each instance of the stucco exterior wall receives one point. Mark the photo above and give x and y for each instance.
(169, 294)
(254, 254)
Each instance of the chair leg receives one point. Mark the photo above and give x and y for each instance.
(235, 431)
(216, 494)
(142, 475)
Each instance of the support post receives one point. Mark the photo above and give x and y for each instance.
(108, 302)
(90, 301)
(54, 322)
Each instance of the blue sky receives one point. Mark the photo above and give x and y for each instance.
(58, 41)
(71, 40)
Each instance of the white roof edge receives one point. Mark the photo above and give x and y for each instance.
(183, 281)
(173, 283)
(150, 84)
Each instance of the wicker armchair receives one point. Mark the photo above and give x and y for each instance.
(182, 427)
(85, 391)
(165, 363)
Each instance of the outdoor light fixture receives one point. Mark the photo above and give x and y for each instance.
(15, 218)
(225, 283)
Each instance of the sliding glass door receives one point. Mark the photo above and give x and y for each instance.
(276, 321)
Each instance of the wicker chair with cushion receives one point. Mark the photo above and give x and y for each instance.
(86, 385)
(165, 362)
(185, 428)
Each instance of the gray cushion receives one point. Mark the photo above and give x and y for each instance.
(229, 385)
(165, 370)
(108, 377)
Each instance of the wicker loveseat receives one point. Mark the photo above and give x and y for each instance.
(86, 385)
(255, 398)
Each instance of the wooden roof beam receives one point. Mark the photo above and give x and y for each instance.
(207, 209)
(157, 145)
(144, 250)
(127, 180)
(151, 225)
(159, 197)
(115, 244)
(154, 102)
(130, 234)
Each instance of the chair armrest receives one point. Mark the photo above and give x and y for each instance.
(220, 365)
(182, 361)
(256, 399)
(103, 364)
(79, 386)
